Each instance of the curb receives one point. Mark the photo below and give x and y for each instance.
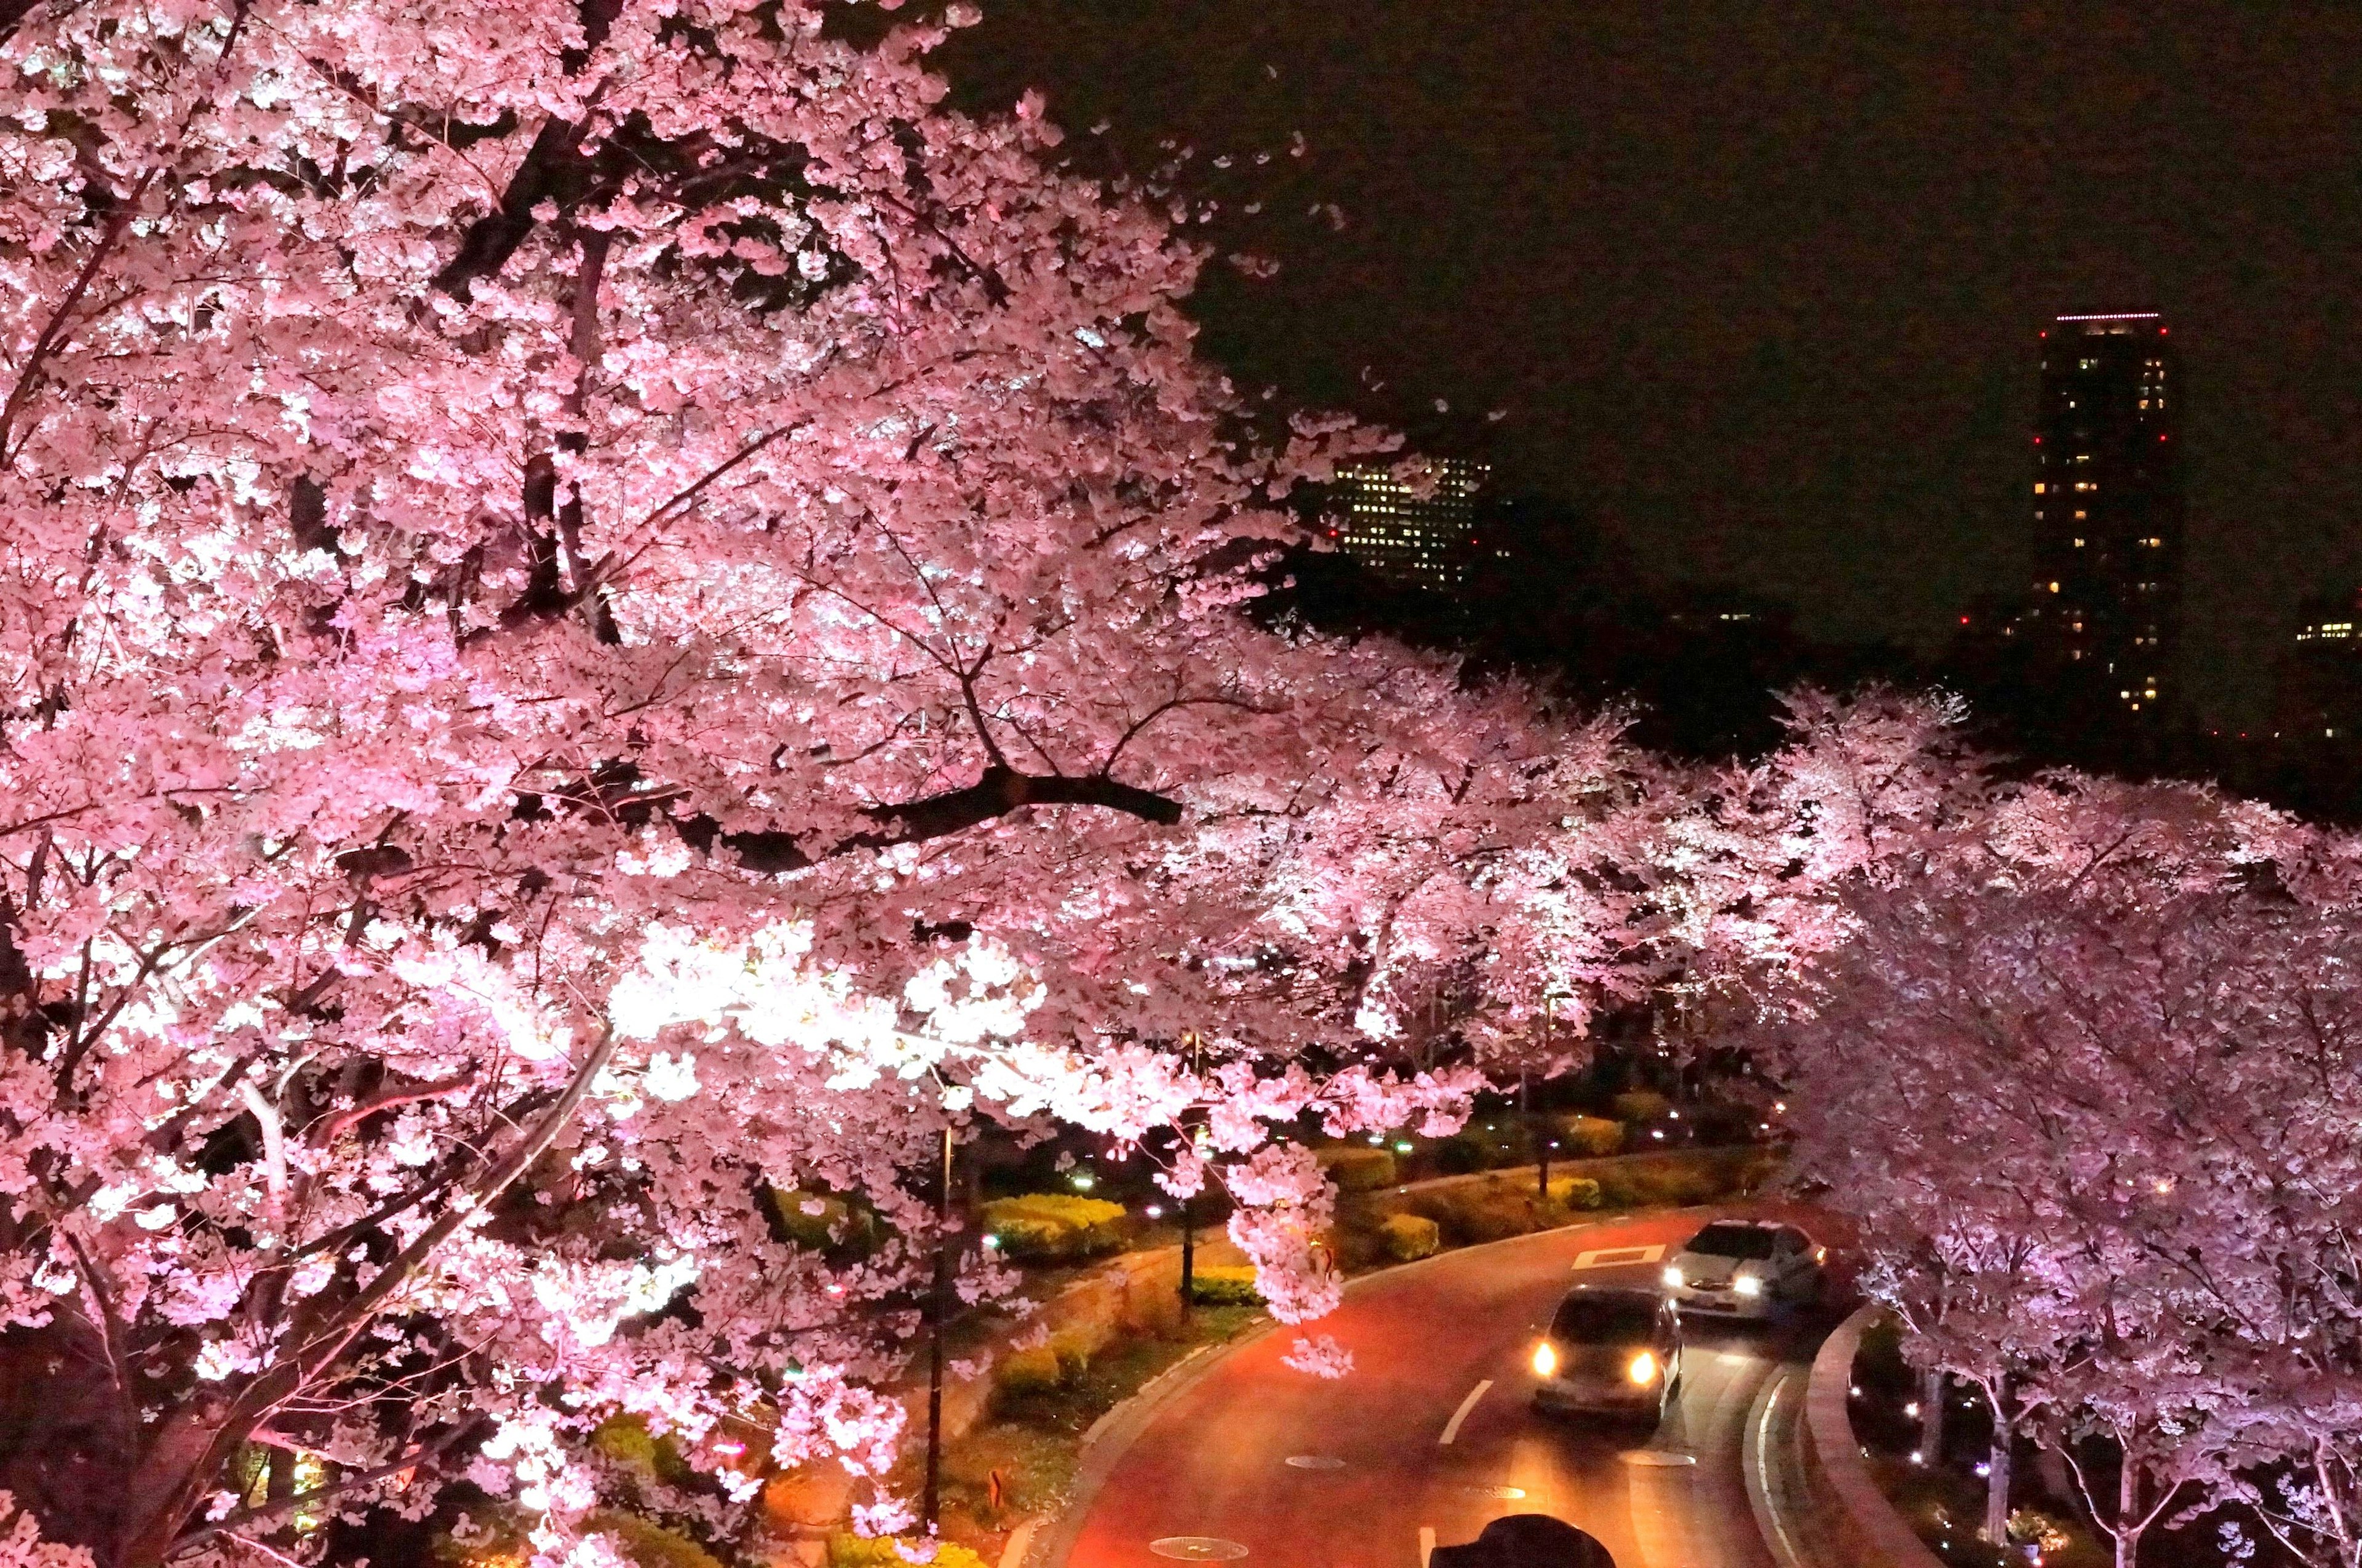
(1880, 1536)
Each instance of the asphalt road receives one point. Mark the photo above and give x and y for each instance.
(1434, 1434)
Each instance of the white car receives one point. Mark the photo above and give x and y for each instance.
(1746, 1269)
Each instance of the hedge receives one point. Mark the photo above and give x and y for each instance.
(852, 1552)
(1357, 1169)
(1640, 1105)
(1408, 1236)
(1047, 1227)
(1575, 1192)
(650, 1545)
(820, 1222)
(628, 1441)
(1225, 1287)
(1591, 1135)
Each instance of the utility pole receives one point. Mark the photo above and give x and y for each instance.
(932, 1504)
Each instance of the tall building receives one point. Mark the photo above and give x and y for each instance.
(1411, 522)
(2108, 514)
(2320, 695)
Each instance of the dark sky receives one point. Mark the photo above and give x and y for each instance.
(1759, 283)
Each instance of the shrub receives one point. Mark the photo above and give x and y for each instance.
(1725, 1123)
(1477, 1211)
(628, 1441)
(820, 1222)
(1640, 1105)
(1024, 1372)
(852, 1552)
(1590, 1135)
(1047, 1227)
(1074, 1354)
(1357, 1169)
(1575, 1191)
(1227, 1286)
(1409, 1236)
(1462, 1154)
(648, 1545)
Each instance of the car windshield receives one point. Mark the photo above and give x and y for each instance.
(1591, 1320)
(1734, 1242)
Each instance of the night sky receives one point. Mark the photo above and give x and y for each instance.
(1759, 284)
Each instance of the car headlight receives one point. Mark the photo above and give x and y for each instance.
(1748, 1284)
(1643, 1370)
(1545, 1360)
(1673, 1278)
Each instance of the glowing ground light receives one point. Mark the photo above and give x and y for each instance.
(1315, 1462)
(1197, 1549)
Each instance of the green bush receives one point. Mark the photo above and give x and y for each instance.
(1640, 1105)
(1469, 1212)
(1074, 1354)
(1055, 1227)
(1357, 1169)
(1034, 1371)
(648, 1545)
(1574, 1192)
(820, 1222)
(1409, 1236)
(1461, 1156)
(852, 1552)
(627, 1441)
(1225, 1287)
(1590, 1135)
(1725, 1123)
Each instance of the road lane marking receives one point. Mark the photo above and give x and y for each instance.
(1315, 1462)
(1452, 1427)
(1657, 1458)
(1618, 1257)
(1754, 1463)
(1426, 1544)
(1197, 1549)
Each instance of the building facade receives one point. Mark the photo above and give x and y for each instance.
(2320, 675)
(2109, 527)
(1412, 523)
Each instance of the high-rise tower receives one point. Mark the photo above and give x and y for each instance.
(1410, 522)
(2108, 516)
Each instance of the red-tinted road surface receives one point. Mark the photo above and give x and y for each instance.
(1212, 1462)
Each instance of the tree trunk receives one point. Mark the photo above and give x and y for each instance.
(1931, 1415)
(1997, 1482)
(2129, 1531)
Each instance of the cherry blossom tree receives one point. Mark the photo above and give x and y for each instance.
(2081, 1060)
(608, 616)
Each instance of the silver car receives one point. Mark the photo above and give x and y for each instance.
(1610, 1349)
(1746, 1269)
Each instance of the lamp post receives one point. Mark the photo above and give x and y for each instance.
(1536, 1127)
(1188, 1202)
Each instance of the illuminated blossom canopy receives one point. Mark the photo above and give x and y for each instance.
(606, 611)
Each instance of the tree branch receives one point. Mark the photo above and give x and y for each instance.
(1001, 791)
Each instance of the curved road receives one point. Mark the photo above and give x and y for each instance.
(1434, 1433)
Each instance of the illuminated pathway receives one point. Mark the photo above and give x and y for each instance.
(1433, 1434)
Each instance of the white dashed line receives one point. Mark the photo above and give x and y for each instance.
(1452, 1427)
